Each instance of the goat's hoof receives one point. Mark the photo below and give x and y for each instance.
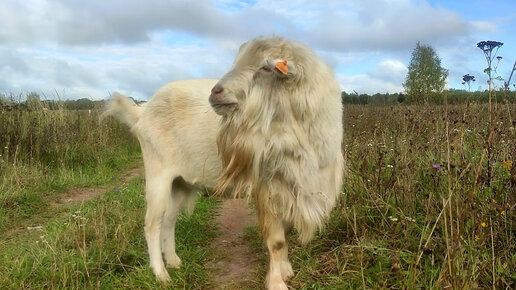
(174, 261)
(162, 276)
(275, 283)
(277, 286)
(286, 270)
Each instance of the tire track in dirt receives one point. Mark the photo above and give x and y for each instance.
(82, 194)
(234, 262)
(69, 197)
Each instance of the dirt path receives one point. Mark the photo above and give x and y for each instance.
(235, 263)
(82, 194)
(70, 196)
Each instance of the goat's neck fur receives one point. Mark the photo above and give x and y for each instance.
(268, 151)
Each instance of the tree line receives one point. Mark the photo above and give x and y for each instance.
(32, 101)
(455, 96)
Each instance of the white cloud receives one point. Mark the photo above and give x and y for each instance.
(390, 70)
(94, 72)
(386, 77)
(88, 48)
(353, 25)
(484, 26)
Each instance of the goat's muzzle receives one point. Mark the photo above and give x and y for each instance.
(221, 101)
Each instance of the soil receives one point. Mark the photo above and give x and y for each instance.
(235, 263)
(82, 194)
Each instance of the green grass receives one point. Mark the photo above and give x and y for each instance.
(43, 153)
(400, 222)
(100, 244)
(96, 244)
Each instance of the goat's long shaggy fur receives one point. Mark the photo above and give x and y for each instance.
(282, 144)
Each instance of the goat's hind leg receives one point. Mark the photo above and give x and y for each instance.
(168, 243)
(158, 188)
(182, 196)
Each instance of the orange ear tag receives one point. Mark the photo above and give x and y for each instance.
(282, 66)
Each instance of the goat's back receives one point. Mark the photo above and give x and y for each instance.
(179, 128)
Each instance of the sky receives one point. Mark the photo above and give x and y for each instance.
(72, 49)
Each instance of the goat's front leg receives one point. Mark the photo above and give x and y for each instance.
(286, 267)
(279, 267)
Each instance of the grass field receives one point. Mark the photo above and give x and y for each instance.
(45, 152)
(428, 202)
(419, 208)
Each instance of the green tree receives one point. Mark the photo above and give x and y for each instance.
(425, 77)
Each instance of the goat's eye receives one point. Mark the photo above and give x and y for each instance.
(265, 69)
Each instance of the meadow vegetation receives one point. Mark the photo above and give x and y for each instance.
(44, 151)
(420, 208)
(48, 148)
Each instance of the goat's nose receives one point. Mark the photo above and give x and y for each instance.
(217, 90)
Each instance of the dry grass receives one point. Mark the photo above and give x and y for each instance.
(419, 209)
(43, 152)
(425, 204)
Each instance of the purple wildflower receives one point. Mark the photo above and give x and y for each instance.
(117, 190)
(436, 166)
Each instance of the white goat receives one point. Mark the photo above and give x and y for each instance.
(280, 141)
(177, 131)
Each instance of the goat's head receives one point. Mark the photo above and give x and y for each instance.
(262, 63)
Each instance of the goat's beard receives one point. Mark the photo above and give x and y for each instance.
(240, 142)
(236, 154)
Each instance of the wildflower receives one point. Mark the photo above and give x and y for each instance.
(507, 165)
(484, 224)
(117, 190)
(410, 219)
(394, 219)
(436, 166)
(390, 166)
(502, 213)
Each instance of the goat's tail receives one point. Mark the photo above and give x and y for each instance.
(123, 108)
